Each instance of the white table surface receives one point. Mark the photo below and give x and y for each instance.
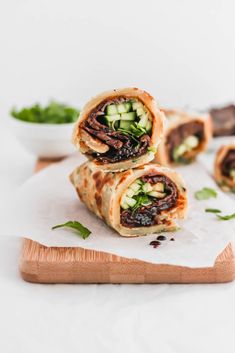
(102, 318)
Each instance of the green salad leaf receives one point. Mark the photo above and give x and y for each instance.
(212, 210)
(53, 113)
(82, 231)
(205, 194)
(227, 217)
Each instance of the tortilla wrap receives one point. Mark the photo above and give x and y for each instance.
(176, 121)
(102, 193)
(92, 146)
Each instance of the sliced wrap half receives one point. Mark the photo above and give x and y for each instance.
(224, 168)
(186, 135)
(135, 202)
(119, 129)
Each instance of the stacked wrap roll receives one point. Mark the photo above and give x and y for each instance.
(119, 132)
(101, 145)
(186, 136)
(102, 193)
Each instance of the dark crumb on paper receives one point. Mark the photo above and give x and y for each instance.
(161, 238)
(155, 243)
(172, 239)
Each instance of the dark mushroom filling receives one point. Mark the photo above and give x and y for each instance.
(124, 125)
(182, 140)
(228, 165)
(145, 199)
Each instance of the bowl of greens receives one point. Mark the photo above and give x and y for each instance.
(45, 130)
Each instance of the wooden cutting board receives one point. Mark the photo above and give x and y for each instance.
(41, 264)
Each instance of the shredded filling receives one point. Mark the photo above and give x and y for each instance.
(122, 124)
(183, 140)
(154, 194)
(228, 165)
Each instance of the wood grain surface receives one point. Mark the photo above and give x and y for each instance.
(41, 264)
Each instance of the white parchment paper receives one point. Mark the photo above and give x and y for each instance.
(48, 199)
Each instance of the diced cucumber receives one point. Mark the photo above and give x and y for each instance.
(191, 141)
(157, 194)
(149, 126)
(136, 105)
(125, 124)
(232, 173)
(140, 111)
(130, 202)
(179, 151)
(143, 120)
(111, 109)
(128, 116)
(127, 106)
(111, 118)
(135, 186)
(124, 205)
(124, 107)
(158, 187)
(147, 187)
(130, 192)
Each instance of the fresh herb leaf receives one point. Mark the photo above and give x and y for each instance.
(129, 133)
(142, 200)
(227, 217)
(212, 210)
(53, 113)
(82, 231)
(152, 149)
(137, 129)
(205, 194)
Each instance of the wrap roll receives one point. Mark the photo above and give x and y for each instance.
(119, 129)
(224, 167)
(135, 202)
(186, 135)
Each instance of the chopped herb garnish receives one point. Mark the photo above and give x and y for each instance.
(212, 210)
(205, 194)
(53, 113)
(82, 231)
(142, 200)
(227, 217)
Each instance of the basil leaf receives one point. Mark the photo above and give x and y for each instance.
(212, 210)
(227, 217)
(205, 194)
(82, 231)
(53, 113)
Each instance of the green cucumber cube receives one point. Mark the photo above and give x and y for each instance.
(149, 126)
(112, 109)
(135, 186)
(130, 192)
(127, 106)
(157, 194)
(125, 124)
(147, 187)
(136, 105)
(140, 111)
(143, 120)
(111, 118)
(128, 116)
(130, 202)
(191, 141)
(124, 107)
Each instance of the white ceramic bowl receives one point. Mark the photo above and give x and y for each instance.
(44, 140)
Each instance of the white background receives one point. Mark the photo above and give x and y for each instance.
(183, 52)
